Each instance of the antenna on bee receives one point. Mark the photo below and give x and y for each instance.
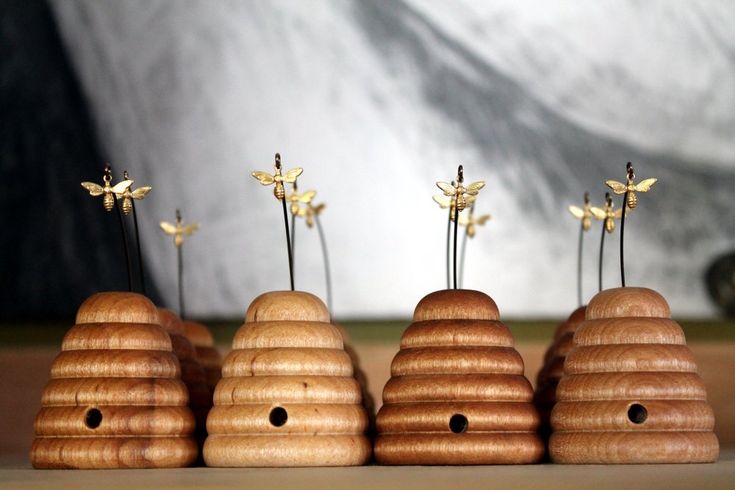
(108, 179)
(130, 197)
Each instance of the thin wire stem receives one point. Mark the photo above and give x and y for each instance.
(462, 254)
(325, 254)
(125, 245)
(449, 253)
(599, 267)
(454, 251)
(180, 259)
(288, 242)
(293, 241)
(622, 232)
(580, 244)
(137, 244)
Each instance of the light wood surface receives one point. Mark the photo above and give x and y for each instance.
(630, 392)
(206, 352)
(114, 401)
(288, 396)
(457, 394)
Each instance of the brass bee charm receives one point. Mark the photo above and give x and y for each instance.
(584, 213)
(267, 179)
(608, 214)
(472, 222)
(179, 229)
(297, 199)
(107, 191)
(630, 187)
(128, 195)
(459, 192)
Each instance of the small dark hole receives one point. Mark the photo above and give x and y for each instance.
(637, 413)
(458, 423)
(93, 418)
(278, 416)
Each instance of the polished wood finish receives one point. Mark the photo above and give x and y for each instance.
(630, 392)
(115, 399)
(208, 355)
(457, 393)
(288, 394)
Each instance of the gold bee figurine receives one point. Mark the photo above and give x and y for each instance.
(108, 191)
(630, 187)
(607, 214)
(445, 202)
(297, 199)
(584, 213)
(128, 195)
(472, 222)
(267, 179)
(461, 193)
(179, 229)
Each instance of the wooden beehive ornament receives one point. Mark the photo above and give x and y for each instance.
(630, 392)
(287, 396)
(457, 394)
(115, 399)
(192, 372)
(207, 354)
(553, 368)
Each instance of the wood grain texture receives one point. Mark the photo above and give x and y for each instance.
(288, 394)
(287, 450)
(115, 364)
(115, 391)
(114, 335)
(287, 361)
(571, 323)
(170, 321)
(458, 449)
(117, 307)
(456, 304)
(630, 392)
(198, 334)
(116, 421)
(207, 354)
(457, 394)
(113, 452)
(287, 306)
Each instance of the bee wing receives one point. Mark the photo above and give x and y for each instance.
(470, 199)
(598, 213)
(619, 214)
(291, 175)
(576, 211)
(442, 201)
(475, 187)
(448, 189)
(463, 220)
(644, 185)
(318, 209)
(189, 229)
(307, 196)
(94, 189)
(140, 192)
(263, 177)
(295, 208)
(617, 187)
(121, 187)
(483, 219)
(168, 228)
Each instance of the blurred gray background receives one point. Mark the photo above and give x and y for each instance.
(377, 100)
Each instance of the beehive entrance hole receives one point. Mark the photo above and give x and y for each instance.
(93, 418)
(458, 423)
(278, 416)
(637, 413)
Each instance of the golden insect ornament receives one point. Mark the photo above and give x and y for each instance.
(630, 187)
(178, 230)
(584, 213)
(463, 196)
(107, 191)
(607, 214)
(129, 194)
(296, 200)
(278, 179)
(471, 222)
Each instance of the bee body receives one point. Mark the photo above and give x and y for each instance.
(108, 201)
(279, 191)
(632, 199)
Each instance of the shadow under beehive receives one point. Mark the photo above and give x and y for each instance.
(630, 392)
(457, 394)
(287, 396)
(115, 399)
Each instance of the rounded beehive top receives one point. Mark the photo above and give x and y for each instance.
(287, 306)
(627, 302)
(456, 304)
(170, 321)
(198, 334)
(117, 307)
(571, 324)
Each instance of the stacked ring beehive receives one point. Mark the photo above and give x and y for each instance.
(287, 396)
(630, 392)
(553, 368)
(192, 372)
(457, 394)
(115, 399)
(207, 354)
